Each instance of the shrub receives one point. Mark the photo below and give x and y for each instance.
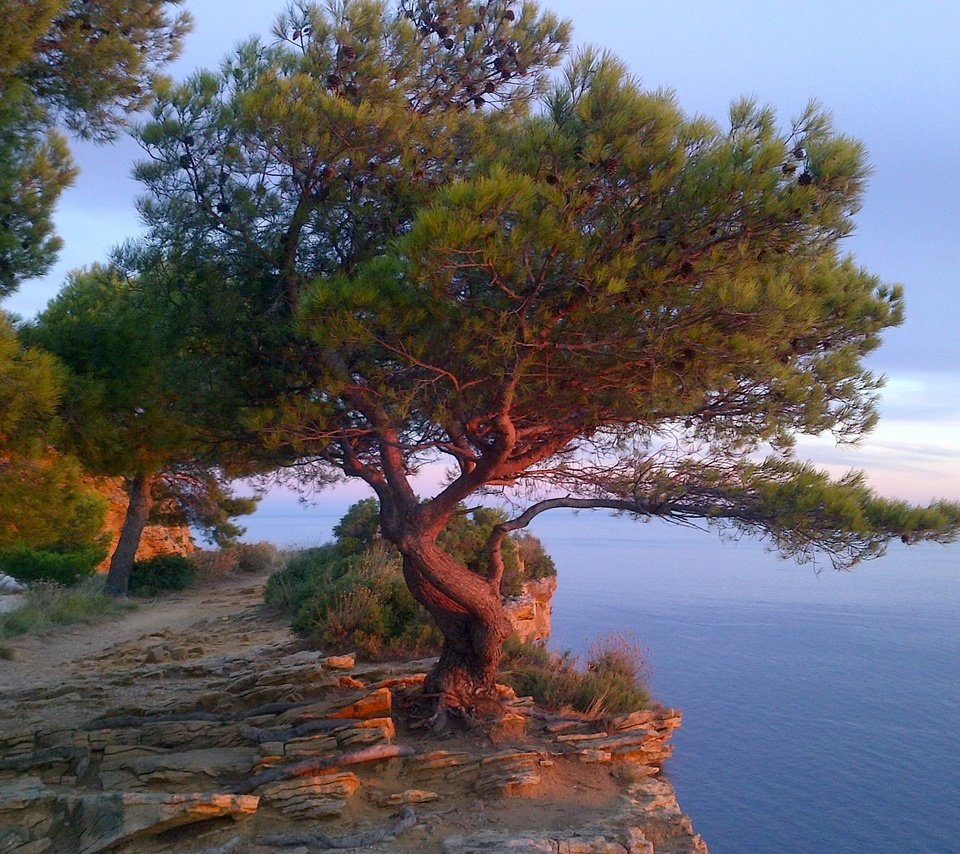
(352, 591)
(611, 683)
(163, 572)
(361, 601)
(213, 565)
(255, 557)
(47, 605)
(536, 562)
(305, 573)
(62, 567)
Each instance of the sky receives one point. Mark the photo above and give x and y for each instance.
(888, 71)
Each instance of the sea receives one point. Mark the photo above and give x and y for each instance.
(821, 708)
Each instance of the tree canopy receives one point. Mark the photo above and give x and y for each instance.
(85, 65)
(121, 412)
(590, 300)
(44, 502)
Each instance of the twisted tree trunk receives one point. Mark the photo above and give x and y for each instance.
(139, 505)
(469, 612)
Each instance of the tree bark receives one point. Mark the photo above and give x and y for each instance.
(469, 612)
(139, 504)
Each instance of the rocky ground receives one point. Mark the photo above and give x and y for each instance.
(200, 724)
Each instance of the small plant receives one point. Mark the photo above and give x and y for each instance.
(361, 601)
(611, 682)
(163, 572)
(47, 605)
(62, 567)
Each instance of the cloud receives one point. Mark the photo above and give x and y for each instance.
(914, 452)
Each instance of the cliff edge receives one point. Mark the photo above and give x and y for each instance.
(149, 741)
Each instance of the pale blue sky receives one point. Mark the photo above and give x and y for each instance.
(889, 71)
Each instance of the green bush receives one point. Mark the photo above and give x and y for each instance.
(611, 683)
(47, 605)
(352, 592)
(362, 602)
(305, 573)
(62, 567)
(536, 562)
(164, 572)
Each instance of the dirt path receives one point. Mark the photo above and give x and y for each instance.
(84, 660)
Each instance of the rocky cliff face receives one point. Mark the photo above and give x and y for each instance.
(156, 539)
(529, 613)
(306, 750)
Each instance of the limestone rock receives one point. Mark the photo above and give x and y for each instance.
(529, 613)
(141, 767)
(35, 818)
(535, 842)
(10, 585)
(339, 662)
(312, 797)
(155, 540)
(375, 705)
(408, 796)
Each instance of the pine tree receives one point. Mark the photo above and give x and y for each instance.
(122, 419)
(601, 303)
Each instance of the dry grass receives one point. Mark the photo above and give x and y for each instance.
(47, 606)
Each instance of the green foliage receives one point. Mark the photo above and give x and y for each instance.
(203, 499)
(359, 528)
(611, 683)
(368, 608)
(304, 573)
(35, 167)
(48, 606)
(30, 388)
(536, 562)
(45, 503)
(352, 591)
(161, 573)
(251, 196)
(356, 600)
(83, 63)
(120, 419)
(66, 567)
(122, 414)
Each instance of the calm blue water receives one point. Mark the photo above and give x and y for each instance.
(821, 712)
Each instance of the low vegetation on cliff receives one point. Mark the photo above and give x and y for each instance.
(352, 591)
(611, 682)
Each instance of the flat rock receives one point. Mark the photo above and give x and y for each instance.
(408, 796)
(375, 705)
(143, 768)
(35, 818)
(339, 662)
(312, 797)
